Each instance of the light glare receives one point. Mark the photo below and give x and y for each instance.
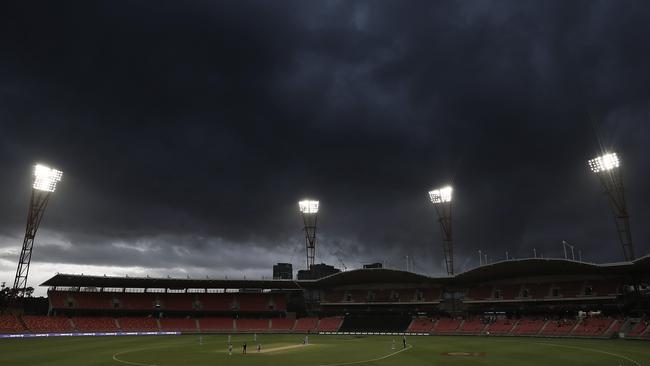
(441, 195)
(308, 206)
(45, 178)
(604, 163)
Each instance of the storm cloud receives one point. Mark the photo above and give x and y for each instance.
(188, 131)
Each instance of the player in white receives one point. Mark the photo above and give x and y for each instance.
(254, 337)
(393, 345)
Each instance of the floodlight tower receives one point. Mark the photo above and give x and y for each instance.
(606, 167)
(309, 211)
(45, 180)
(441, 199)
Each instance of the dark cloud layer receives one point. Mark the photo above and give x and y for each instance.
(200, 124)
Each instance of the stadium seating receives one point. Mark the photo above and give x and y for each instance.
(638, 329)
(10, 324)
(138, 324)
(503, 326)
(250, 325)
(282, 324)
(95, 324)
(421, 325)
(592, 327)
(92, 300)
(216, 324)
(472, 326)
(560, 327)
(176, 302)
(446, 325)
(304, 325)
(331, 324)
(216, 302)
(45, 324)
(528, 326)
(137, 301)
(178, 324)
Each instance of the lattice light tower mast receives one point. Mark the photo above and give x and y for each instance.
(309, 211)
(441, 199)
(607, 168)
(45, 180)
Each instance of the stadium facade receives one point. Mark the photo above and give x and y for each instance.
(548, 297)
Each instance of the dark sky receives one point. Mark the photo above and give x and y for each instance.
(188, 131)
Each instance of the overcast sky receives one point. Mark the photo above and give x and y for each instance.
(188, 131)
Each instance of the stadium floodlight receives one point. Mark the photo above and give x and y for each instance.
(308, 206)
(309, 210)
(441, 199)
(45, 180)
(604, 163)
(608, 169)
(441, 195)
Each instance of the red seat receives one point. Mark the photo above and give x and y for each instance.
(138, 324)
(331, 324)
(47, 324)
(216, 324)
(95, 324)
(305, 324)
(421, 325)
(9, 324)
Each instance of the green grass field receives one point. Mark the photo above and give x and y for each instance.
(323, 350)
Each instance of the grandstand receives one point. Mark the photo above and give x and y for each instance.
(530, 297)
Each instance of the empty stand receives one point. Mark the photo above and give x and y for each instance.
(138, 324)
(216, 324)
(502, 326)
(250, 325)
(592, 327)
(376, 323)
(528, 326)
(421, 325)
(282, 324)
(10, 324)
(331, 324)
(638, 329)
(47, 324)
(178, 324)
(304, 325)
(446, 325)
(558, 327)
(95, 324)
(472, 326)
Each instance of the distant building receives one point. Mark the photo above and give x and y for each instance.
(283, 271)
(373, 265)
(317, 271)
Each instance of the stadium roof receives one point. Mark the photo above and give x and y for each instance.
(531, 267)
(73, 280)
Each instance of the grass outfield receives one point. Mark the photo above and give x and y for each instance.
(323, 350)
